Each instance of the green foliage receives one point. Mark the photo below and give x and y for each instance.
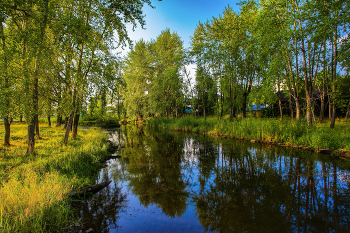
(152, 77)
(105, 121)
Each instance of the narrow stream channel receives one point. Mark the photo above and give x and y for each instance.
(177, 182)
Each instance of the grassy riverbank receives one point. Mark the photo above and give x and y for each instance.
(33, 189)
(318, 136)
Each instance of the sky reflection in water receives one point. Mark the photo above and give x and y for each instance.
(175, 182)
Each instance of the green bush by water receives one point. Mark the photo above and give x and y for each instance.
(106, 121)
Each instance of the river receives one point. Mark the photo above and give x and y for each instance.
(177, 182)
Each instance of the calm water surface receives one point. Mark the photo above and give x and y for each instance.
(176, 182)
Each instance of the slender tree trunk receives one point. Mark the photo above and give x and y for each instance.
(244, 105)
(348, 108)
(118, 105)
(31, 137)
(323, 101)
(21, 118)
(49, 114)
(296, 94)
(347, 112)
(307, 81)
(32, 127)
(75, 125)
(7, 121)
(291, 105)
(222, 104)
(280, 100)
(217, 104)
(333, 116)
(231, 100)
(334, 72)
(34, 122)
(329, 107)
(66, 120)
(323, 95)
(37, 130)
(59, 121)
(49, 120)
(176, 114)
(69, 126)
(7, 125)
(205, 117)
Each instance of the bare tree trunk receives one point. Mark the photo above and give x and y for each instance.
(205, 117)
(296, 94)
(49, 114)
(347, 112)
(323, 95)
(59, 121)
(323, 101)
(244, 105)
(118, 105)
(69, 125)
(231, 101)
(217, 104)
(49, 120)
(34, 122)
(7, 121)
(291, 105)
(37, 131)
(222, 107)
(334, 73)
(280, 100)
(75, 125)
(348, 108)
(329, 107)
(333, 117)
(31, 137)
(7, 125)
(66, 120)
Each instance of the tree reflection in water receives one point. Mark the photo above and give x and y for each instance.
(103, 210)
(233, 186)
(258, 190)
(155, 176)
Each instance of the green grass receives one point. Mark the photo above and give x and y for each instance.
(34, 189)
(317, 136)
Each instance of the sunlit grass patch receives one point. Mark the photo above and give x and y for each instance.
(29, 203)
(33, 189)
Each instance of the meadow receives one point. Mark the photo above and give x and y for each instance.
(34, 189)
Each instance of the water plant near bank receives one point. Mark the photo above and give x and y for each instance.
(34, 189)
(269, 130)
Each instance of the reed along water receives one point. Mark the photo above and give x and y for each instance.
(177, 182)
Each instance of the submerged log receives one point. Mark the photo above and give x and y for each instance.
(325, 151)
(97, 187)
(91, 189)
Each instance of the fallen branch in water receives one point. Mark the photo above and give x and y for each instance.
(91, 189)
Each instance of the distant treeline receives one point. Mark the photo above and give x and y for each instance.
(290, 54)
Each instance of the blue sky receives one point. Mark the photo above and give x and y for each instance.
(180, 16)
